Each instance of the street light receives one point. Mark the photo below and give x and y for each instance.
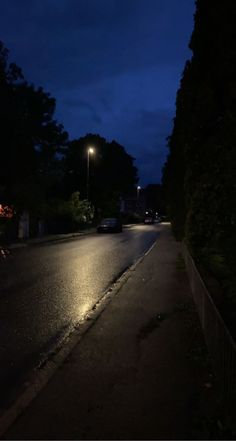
(137, 203)
(138, 190)
(90, 151)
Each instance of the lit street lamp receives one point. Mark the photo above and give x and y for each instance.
(90, 151)
(137, 203)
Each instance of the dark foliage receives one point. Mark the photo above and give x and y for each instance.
(30, 139)
(111, 172)
(200, 174)
(40, 170)
(154, 198)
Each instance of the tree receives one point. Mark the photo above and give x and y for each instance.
(199, 176)
(30, 138)
(112, 172)
(81, 210)
(66, 215)
(154, 198)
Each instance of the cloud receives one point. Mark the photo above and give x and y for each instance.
(128, 114)
(82, 109)
(79, 42)
(113, 65)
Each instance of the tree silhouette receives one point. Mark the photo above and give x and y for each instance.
(112, 173)
(199, 176)
(30, 137)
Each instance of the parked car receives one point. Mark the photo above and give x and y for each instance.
(110, 225)
(148, 220)
(164, 219)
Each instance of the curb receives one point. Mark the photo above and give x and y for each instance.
(38, 380)
(56, 239)
(48, 240)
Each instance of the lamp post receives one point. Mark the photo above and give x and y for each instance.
(138, 190)
(90, 151)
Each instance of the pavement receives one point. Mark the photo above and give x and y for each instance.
(140, 371)
(52, 238)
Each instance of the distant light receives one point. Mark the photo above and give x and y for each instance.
(91, 150)
(138, 187)
(146, 212)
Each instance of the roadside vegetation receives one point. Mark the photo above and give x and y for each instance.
(43, 173)
(199, 177)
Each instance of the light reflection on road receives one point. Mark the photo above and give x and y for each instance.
(47, 289)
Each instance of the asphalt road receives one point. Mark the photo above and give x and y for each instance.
(47, 289)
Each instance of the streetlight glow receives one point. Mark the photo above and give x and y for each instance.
(138, 190)
(90, 151)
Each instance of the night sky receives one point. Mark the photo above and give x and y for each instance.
(114, 66)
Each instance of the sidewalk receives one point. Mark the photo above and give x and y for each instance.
(139, 372)
(55, 237)
(50, 238)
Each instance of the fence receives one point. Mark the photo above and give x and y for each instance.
(220, 343)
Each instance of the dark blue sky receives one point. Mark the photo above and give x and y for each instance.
(114, 66)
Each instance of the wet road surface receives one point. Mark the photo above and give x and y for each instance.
(47, 289)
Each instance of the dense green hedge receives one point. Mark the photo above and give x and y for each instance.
(200, 174)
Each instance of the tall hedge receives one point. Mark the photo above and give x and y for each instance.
(200, 174)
